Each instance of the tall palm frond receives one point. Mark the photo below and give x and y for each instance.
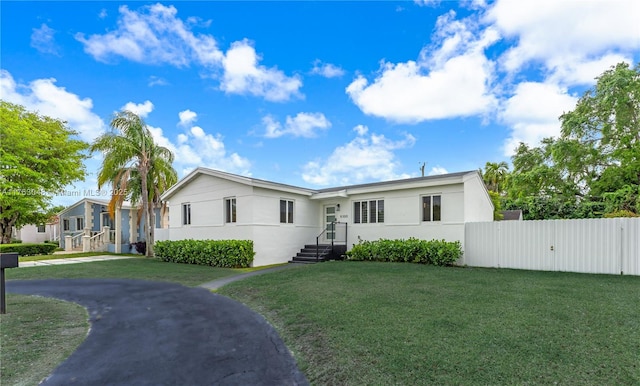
(138, 169)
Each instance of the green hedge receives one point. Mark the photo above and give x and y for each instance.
(217, 253)
(29, 249)
(436, 252)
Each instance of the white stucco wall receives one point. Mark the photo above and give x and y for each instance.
(477, 203)
(29, 233)
(403, 215)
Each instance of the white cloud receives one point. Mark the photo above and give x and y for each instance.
(561, 32)
(103, 13)
(451, 79)
(43, 96)
(156, 81)
(327, 70)
(437, 170)
(154, 35)
(425, 3)
(302, 125)
(243, 75)
(187, 117)
(361, 129)
(533, 111)
(582, 72)
(196, 148)
(142, 109)
(42, 39)
(365, 158)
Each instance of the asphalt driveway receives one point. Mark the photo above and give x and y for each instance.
(151, 333)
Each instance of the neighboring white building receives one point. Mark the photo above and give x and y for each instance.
(282, 219)
(38, 233)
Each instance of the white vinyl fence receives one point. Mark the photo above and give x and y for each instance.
(610, 246)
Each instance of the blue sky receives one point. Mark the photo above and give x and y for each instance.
(315, 94)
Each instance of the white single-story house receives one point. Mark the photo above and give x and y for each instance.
(32, 233)
(87, 226)
(282, 219)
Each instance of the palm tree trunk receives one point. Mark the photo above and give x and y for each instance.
(152, 224)
(145, 205)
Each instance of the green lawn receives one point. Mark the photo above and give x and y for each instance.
(36, 335)
(356, 323)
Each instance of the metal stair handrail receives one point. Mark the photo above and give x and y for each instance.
(333, 229)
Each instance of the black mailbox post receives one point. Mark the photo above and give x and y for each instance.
(7, 260)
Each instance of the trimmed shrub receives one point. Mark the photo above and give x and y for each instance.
(54, 242)
(29, 249)
(436, 252)
(216, 253)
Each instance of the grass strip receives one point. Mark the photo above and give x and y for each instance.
(38, 334)
(140, 268)
(69, 255)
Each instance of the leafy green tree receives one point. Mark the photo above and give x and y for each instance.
(604, 131)
(593, 168)
(137, 168)
(38, 158)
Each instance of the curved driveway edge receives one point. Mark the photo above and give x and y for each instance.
(153, 333)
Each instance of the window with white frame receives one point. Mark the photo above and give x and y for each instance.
(65, 224)
(41, 228)
(79, 223)
(230, 210)
(186, 214)
(286, 211)
(370, 211)
(431, 208)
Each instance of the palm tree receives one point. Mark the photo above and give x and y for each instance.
(495, 175)
(137, 168)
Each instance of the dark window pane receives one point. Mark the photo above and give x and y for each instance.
(186, 214)
(290, 212)
(380, 210)
(436, 208)
(365, 212)
(233, 210)
(356, 212)
(426, 208)
(227, 211)
(283, 211)
(372, 208)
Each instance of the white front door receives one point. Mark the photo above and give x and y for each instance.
(329, 219)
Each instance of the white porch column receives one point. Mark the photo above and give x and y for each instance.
(106, 235)
(86, 243)
(68, 246)
(133, 225)
(88, 218)
(118, 240)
